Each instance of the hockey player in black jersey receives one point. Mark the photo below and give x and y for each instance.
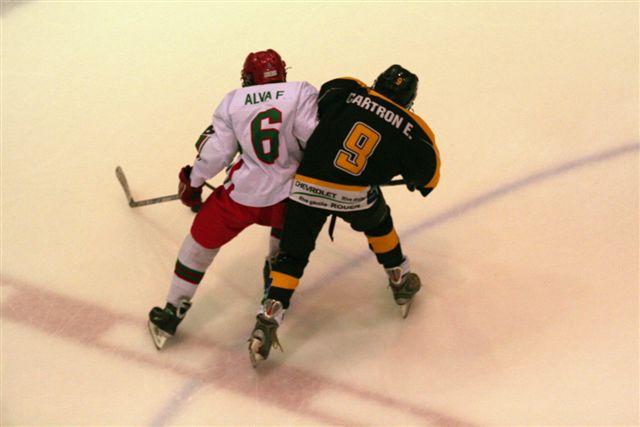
(365, 137)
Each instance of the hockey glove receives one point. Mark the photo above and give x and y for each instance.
(423, 191)
(189, 196)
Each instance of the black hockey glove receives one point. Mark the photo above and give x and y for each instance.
(423, 191)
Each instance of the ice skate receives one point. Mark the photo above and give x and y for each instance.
(264, 334)
(163, 322)
(404, 287)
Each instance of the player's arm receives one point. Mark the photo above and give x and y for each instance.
(216, 151)
(421, 163)
(206, 134)
(306, 113)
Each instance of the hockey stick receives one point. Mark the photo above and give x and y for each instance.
(137, 203)
(394, 182)
(134, 203)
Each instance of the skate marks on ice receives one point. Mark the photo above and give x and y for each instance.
(289, 388)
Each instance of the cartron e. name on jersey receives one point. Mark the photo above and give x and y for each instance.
(369, 104)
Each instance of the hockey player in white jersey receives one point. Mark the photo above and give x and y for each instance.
(267, 122)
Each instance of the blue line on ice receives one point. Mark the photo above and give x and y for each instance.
(175, 404)
(521, 183)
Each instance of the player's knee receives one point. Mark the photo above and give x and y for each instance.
(376, 223)
(384, 227)
(289, 264)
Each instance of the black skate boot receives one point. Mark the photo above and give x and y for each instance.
(404, 287)
(264, 334)
(163, 322)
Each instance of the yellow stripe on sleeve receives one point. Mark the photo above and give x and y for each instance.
(436, 177)
(425, 127)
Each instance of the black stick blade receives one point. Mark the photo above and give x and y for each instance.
(125, 185)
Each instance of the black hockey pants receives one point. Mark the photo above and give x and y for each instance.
(302, 226)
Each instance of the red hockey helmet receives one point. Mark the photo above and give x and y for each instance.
(263, 67)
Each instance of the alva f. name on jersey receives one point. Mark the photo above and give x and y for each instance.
(267, 121)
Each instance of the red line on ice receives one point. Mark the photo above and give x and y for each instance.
(286, 387)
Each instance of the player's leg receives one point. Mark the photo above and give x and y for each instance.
(274, 247)
(271, 216)
(219, 220)
(301, 228)
(191, 264)
(377, 224)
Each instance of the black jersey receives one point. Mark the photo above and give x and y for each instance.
(364, 138)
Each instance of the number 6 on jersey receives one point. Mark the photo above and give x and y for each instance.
(358, 147)
(260, 135)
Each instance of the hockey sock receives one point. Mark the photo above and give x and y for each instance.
(274, 246)
(386, 247)
(280, 294)
(274, 241)
(396, 272)
(282, 287)
(193, 260)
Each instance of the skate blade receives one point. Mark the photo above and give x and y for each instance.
(404, 309)
(254, 347)
(158, 336)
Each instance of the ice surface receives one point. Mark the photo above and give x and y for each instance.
(528, 250)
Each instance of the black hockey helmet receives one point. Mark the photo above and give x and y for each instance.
(398, 84)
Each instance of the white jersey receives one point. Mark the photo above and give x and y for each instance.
(269, 125)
